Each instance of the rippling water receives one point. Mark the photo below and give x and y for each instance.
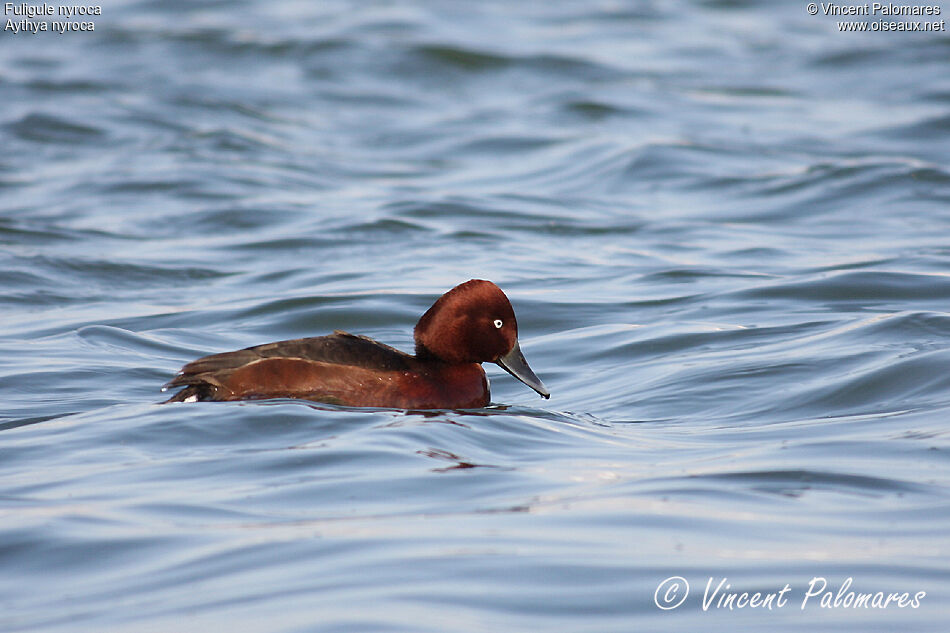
(723, 226)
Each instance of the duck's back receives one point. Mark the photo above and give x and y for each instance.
(323, 368)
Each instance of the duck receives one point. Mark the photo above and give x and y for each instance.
(471, 324)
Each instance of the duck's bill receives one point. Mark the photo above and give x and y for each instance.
(514, 363)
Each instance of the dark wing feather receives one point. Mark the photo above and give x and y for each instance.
(204, 375)
(339, 348)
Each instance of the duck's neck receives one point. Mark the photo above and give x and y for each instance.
(423, 353)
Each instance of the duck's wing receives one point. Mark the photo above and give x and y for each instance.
(206, 377)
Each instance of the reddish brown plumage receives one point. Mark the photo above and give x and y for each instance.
(470, 324)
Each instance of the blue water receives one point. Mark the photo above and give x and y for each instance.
(724, 229)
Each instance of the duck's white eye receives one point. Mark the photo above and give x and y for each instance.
(498, 323)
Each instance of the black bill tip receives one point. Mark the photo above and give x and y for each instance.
(514, 363)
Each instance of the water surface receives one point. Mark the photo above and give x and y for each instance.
(723, 226)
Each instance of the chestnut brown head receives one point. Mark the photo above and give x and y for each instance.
(475, 323)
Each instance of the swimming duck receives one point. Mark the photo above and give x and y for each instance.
(470, 324)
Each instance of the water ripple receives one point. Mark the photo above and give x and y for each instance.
(734, 284)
